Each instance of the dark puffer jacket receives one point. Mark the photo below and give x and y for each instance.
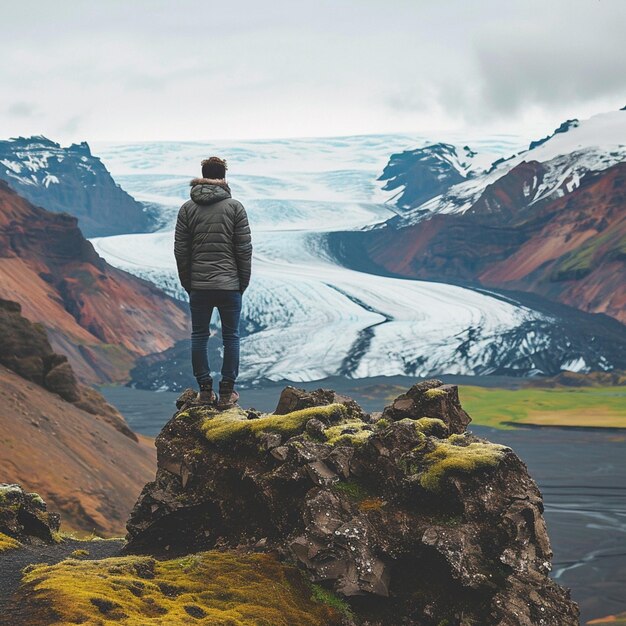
(212, 245)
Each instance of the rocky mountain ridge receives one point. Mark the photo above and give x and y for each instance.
(71, 180)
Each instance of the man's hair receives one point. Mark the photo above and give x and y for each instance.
(214, 167)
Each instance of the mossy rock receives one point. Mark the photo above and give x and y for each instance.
(8, 543)
(449, 457)
(225, 426)
(350, 432)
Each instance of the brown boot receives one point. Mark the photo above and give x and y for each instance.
(206, 396)
(228, 396)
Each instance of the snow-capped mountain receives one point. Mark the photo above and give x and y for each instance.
(574, 149)
(550, 219)
(73, 181)
(425, 173)
(307, 316)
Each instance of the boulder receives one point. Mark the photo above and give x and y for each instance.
(294, 399)
(430, 398)
(24, 516)
(408, 520)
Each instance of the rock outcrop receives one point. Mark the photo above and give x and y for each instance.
(24, 516)
(408, 517)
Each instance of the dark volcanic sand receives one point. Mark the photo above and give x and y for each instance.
(581, 473)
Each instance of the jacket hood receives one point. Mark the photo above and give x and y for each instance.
(209, 190)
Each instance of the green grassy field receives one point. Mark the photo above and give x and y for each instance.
(561, 406)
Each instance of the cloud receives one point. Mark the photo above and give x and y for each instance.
(21, 109)
(186, 70)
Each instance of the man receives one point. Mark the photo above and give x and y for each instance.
(213, 250)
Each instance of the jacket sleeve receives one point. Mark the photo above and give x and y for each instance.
(243, 247)
(182, 249)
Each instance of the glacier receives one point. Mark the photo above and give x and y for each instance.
(306, 317)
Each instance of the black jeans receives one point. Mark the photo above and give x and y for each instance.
(228, 303)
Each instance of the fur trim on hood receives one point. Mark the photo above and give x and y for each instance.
(210, 181)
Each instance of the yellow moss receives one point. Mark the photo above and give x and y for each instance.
(79, 552)
(426, 425)
(8, 543)
(341, 433)
(447, 458)
(456, 438)
(434, 393)
(229, 424)
(218, 588)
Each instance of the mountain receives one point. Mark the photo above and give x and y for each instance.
(549, 220)
(102, 318)
(61, 438)
(425, 173)
(338, 317)
(73, 181)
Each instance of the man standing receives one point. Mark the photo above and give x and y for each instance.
(213, 250)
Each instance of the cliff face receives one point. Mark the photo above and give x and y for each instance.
(405, 516)
(101, 317)
(73, 181)
(61, 438)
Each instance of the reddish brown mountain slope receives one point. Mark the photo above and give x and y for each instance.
(572, 249)
(78, 462)
(61, 438)
(101, 317)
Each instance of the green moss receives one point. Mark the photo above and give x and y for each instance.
(434, 393)
(8, 543)
(327, 597)
(448, 458)
(221, 588)
(227, 425)
(350, 432)
(371, 504)
(354, 490)
(35, 497)
(382, 423)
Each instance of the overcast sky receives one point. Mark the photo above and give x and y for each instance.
(193, 70)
